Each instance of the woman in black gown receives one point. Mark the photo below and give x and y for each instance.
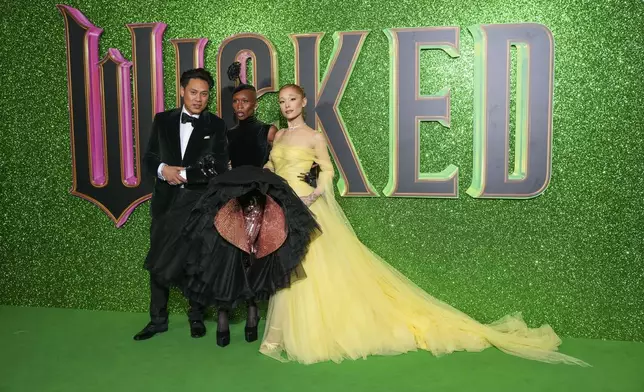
(249, 144)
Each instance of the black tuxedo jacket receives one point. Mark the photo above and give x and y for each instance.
(164, 146)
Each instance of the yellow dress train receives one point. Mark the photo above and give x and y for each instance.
(353, 304)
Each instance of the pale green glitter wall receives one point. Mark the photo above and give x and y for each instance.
(571, 257)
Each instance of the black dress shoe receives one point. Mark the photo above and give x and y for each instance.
(149, 331)
(197, 329)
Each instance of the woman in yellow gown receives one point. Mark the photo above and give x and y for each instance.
(352, 303)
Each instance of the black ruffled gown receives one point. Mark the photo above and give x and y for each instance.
(246, 236)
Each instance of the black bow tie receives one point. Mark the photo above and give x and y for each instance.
(185, 117)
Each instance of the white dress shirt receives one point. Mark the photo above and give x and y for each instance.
(185, 130)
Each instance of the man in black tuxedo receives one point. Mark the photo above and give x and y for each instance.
(180, 137)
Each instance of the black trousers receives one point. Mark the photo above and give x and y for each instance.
(159, 305)
(162, 227)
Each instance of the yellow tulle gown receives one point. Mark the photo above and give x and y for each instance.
(353, 304)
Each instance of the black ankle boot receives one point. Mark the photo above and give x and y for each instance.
(223, 330)
(251, 334)
(252, 321)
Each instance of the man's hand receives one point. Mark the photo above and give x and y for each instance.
(172, 176)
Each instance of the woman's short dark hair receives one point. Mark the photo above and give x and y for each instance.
(243, 87)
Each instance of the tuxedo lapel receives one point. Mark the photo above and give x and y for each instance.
(174, 133)
(200, 127)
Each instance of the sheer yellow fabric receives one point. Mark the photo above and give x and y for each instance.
(353, 304)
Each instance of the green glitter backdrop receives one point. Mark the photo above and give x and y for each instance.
(571, 257)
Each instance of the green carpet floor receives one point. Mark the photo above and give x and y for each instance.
(46, 350)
